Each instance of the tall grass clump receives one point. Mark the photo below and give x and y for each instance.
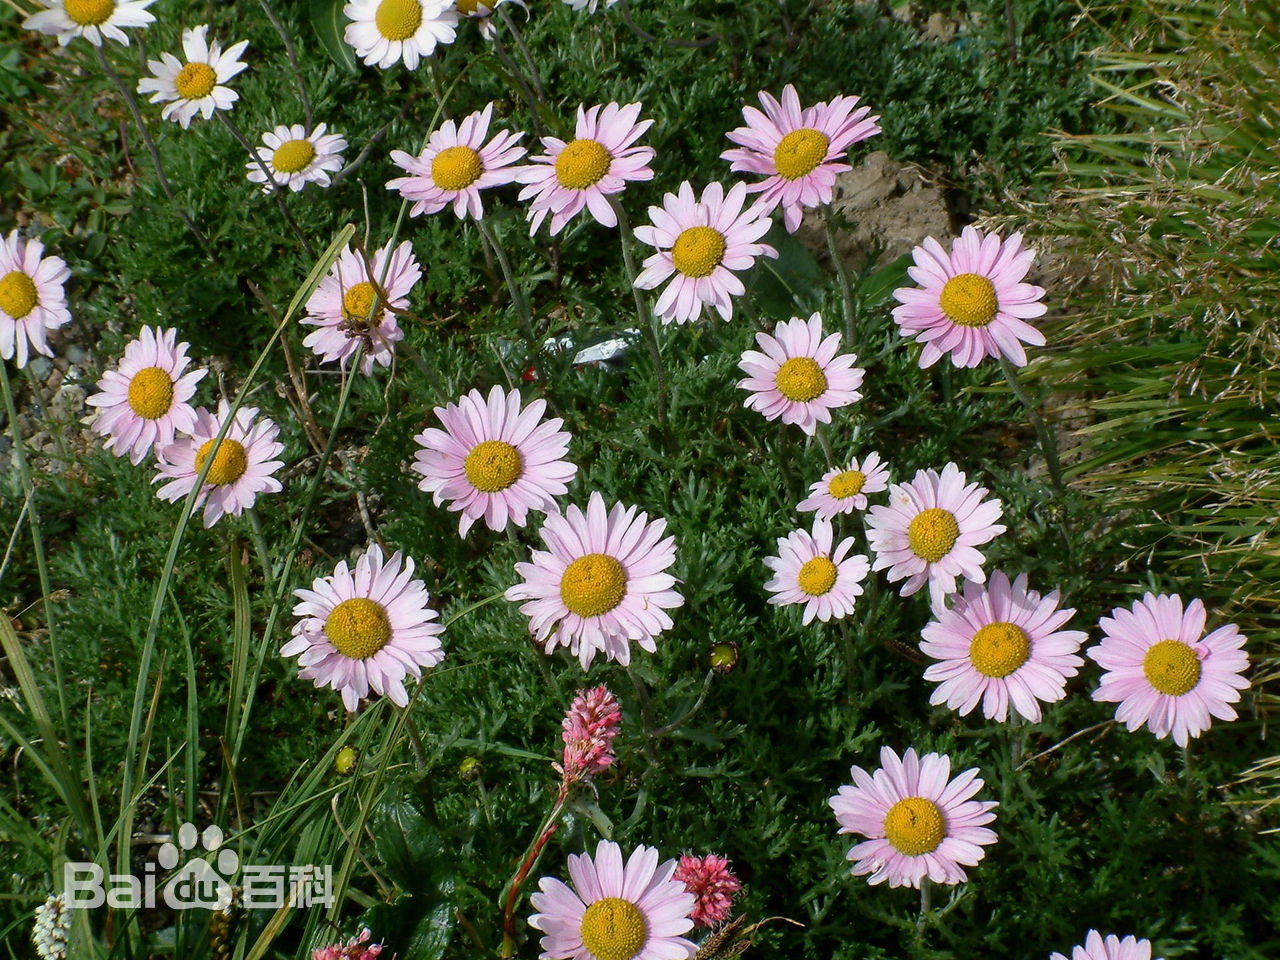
(1168, 373)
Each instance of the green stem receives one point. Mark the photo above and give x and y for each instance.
(926, 904)
(276, 190)
(846, 280)
(134, 112)
(1048, 445)
(825, 444)
(282, 584)
(518, 300)
(260, 545)
(42, 564)
(644, 316)
(292, 54)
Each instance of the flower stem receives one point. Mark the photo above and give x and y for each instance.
(275, 188)
(842, 272)
(132, 104)
(1047, 443)
(42, 564)
(292, 54)
(527, 863)
(518, 300)
(260, 544)
(926, 903)
(644, 316)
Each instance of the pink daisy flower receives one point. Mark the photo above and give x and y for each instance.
(799, 151)
(799, 378)
(32, 298)
(971, 303)
(601, 584)
(456, 165)
(614, 911)
(845, 489)
(588, 170)
(348, 308)
(701, 244)
(494, 460)
(807, 570)
(711, 881)
(144, 400)
(919, 822)
(242, 467)
(365, 630)
(930, 531)
(1165, 672)
(1112, 948)
(1002, 644)
(588, 730)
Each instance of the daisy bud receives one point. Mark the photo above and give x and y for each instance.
(345, 761)
(724, 656)
(711, 881)
(589, 728)
(469, 769)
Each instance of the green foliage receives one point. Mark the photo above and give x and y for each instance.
(1104, 831)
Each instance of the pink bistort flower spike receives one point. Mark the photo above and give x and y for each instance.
(711, 881)
(589, 728)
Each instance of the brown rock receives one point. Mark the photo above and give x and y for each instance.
(887, 206)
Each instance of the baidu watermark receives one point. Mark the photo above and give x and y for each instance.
(202, 882)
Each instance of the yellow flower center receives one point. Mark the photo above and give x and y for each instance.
(89, 13)
(493, 465)
(848, 483)
(195, 81)
(613, 929)
(151, 394)
(698, 251)
(228, 466)
(1172, 667)
(915, 826)
(933, 533)
(969, 300)
(817, 576)
(467, 7)
(593, 584)
(357, 303)
(799, 152)
(456, 168)
(358, 628)
(293, 155)
(998, 649)
(18, 294)
(801, 379)
(582, 163)
(398, 19)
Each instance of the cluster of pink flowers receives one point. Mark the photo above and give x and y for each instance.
(713, 883)
(356, 948)
(589, 727)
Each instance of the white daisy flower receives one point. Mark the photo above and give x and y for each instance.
(196, 86)
(296, 158)
(91, 19)
(384, 31)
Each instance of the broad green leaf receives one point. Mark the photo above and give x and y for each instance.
(330, 25)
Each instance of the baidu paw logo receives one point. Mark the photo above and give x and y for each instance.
(199, 882)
